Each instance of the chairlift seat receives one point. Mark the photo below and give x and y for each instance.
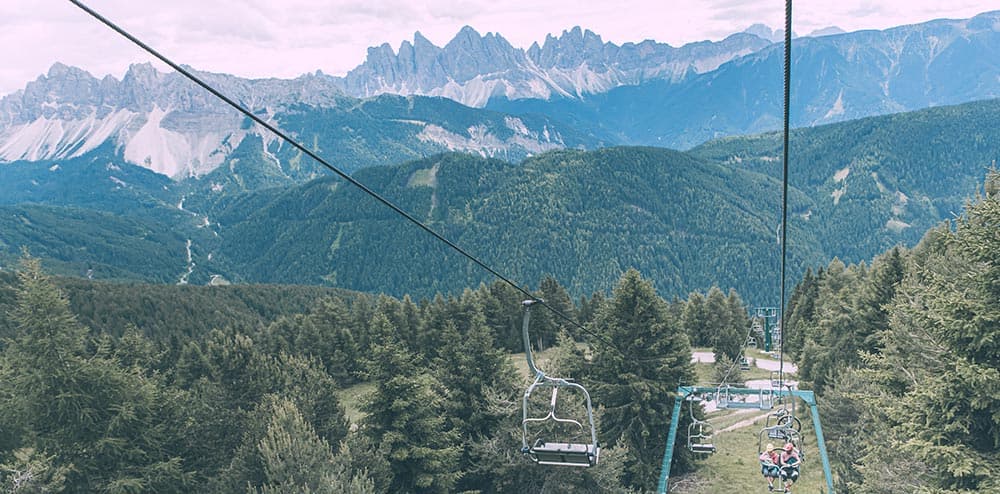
(763, 404)
(703, 448)
(779, 433)
(564, 454)
(555, 453)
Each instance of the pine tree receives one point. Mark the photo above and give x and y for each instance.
(832, 343)
(728, 323)
(407, 415)
(942, 352)
(31, 472)
(295, 459)
(635, 380)
(695, 320)
(801, 313)
(111, 423)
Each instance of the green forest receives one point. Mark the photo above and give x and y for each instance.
(153, 388)
(685, 220)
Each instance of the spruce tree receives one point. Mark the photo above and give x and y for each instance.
(295, 459)
(635, 379)
(112, 424)
(407, 416)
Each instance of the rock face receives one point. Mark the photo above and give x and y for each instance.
(474, 68)
(645, 93)
(157, 120)
(165, 123)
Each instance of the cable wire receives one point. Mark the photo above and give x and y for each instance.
(246, 112)
(784, 187)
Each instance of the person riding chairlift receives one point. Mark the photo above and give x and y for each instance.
(789, 461)
(769, 465)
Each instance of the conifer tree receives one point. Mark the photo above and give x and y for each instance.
(940, 360)
(295, 459)
(31, 472)
(801, 312)
(406, 415)
(695, 320)
(110, 423)
(635, 380)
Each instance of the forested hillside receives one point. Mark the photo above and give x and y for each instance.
(137, 393)
(881, 181)
(223, 389)
(578, 216)
(904, 352)
(687, 220)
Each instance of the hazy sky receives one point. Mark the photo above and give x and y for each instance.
(285, 38)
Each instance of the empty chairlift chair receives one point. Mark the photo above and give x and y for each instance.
(557, 450)
(699, 434)
(733, 397)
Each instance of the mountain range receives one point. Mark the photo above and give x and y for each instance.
(167, 124)
(473, 68)
(834, 78)
(572, 91)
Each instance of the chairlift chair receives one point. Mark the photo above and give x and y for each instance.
(783, 425)
(744, 363)
(729, 399)
(776, 381)
(699, 435)
(782, 420)
(553, 452)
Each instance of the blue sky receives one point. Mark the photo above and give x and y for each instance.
(269, 38)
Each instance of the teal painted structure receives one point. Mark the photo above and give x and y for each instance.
(769, 320)
(683, 392)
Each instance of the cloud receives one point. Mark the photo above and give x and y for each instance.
(259, 38)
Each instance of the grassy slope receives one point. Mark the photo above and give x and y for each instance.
(734, 468)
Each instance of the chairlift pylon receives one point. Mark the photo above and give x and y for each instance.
(543, 451)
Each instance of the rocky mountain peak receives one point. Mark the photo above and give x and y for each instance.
(473, 68)
(571, 49)
(764, 31)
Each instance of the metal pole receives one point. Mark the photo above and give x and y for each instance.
(668, 452)
(821, 445)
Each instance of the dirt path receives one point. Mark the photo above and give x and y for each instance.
(744, 423)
